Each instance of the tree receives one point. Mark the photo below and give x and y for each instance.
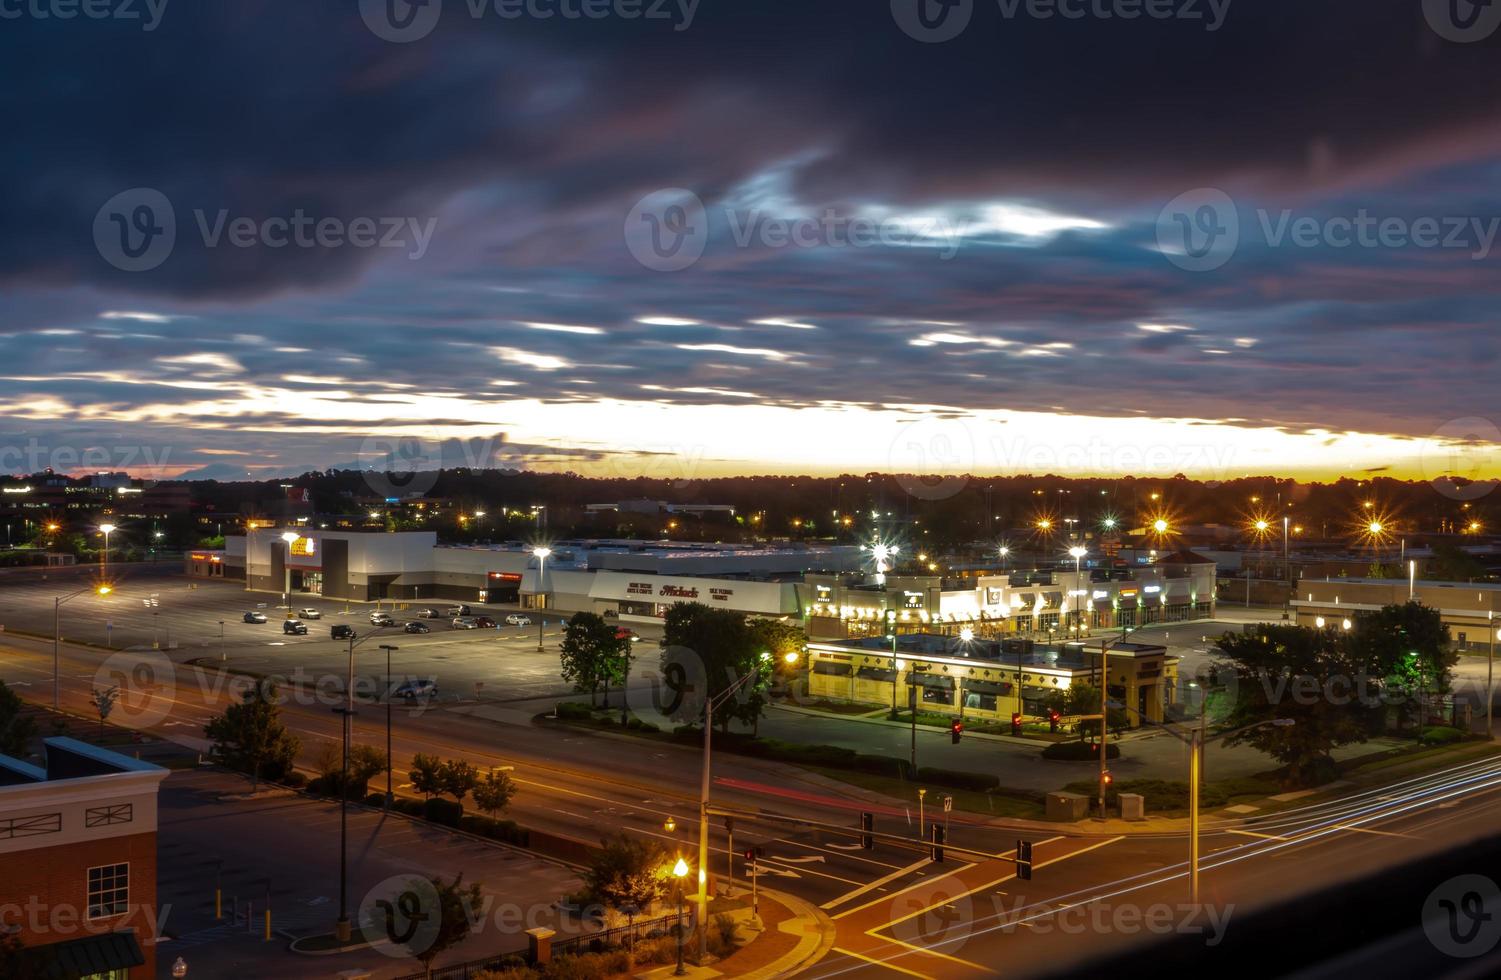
(17, 729)
(727, 649)
(1332, 684)
(426, 775)
(365, 763)
(495, 792)
(457, 778)
(1408, 645)
(250, 737)
(103, 699)
(592, 654)
(452, 913)
(628, 872)
(1451, 563)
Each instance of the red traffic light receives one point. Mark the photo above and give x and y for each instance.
(1016, 722)
(1109, 777)
(956, 732)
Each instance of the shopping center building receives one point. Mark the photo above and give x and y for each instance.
(1471, 611)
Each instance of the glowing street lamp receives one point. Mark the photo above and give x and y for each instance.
(1077, 552)
(541, 553)
(679, 872)
(106, 528)
(286, 568)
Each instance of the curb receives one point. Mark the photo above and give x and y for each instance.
(805, 953)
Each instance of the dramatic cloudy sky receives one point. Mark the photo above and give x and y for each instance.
(769, 236)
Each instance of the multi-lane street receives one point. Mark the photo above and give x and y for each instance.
(891, 911)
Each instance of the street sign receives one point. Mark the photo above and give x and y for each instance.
(948, 804)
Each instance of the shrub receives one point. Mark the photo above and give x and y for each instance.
(445, 812)
(376, 799)
(294, 779)
(518, 972)
(882, 765)
(979, 782)
(1079, 752)
(1440, 735)
(574, 711)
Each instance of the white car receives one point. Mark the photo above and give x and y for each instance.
(309, 613)
(517, 619)
(381, 619)
(464, 623)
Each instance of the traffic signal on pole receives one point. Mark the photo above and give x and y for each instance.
(867, 826)
(1053, 722)
(1024, 860)
(1109, 778)
(937, 850)
(891, 624)
(956, 732)
(1016, 722)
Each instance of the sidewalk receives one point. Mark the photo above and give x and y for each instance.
(791, 935)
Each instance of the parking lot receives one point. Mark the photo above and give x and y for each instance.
(152, 609)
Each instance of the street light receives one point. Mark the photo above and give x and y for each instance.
(680, 871)
(57, 603)
(389, 795)
(341, 927)
(1078, 553)
(541, 555)
(286, 568)
(106, 528)
(710, 703)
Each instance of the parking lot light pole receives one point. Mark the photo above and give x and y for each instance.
(57, 604)
(286, 569)
(541, 556)
(341, 927)
(388, 648)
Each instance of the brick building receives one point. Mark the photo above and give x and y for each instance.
(78, 849)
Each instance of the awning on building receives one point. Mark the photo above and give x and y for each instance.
(85, 957)
(999, 688)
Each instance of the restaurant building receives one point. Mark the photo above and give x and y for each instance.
(988, 679)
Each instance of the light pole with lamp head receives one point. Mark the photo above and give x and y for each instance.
(1490, 677)
(286, 568)
(1077, 552)
(341, 927)
(679, 872)
(106, 529)
(101, 589)
(541, 554)
(389, 795)
(710, 703)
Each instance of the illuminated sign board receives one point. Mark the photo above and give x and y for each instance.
(914, 600)
(304, 547)
(303, 553)
(823, 593)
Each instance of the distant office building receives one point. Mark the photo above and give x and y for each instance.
(78, 861)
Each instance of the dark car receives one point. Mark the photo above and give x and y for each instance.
(459, 610)
(429, 613)
(255, 617)
(294, 627)
(343, 631)
(415, 627)
(484, 622)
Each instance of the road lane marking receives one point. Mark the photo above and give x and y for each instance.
(1382, 833)
(1252, 833)
(880, 963)
(865, 889)
(933, 952)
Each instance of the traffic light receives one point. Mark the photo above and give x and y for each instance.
(956, 732)
(891, 624)
(1053, 722)
(937, 850)
(1016, 722)
(867, 826)
(1109, 778)
(1024, 860)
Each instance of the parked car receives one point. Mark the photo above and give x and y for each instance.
(294, 627)
(416, 626)
(309, 613)
(621, 633)
(428, 613)
(517, 619)
(464, 623)
(459, 610)
(342, 631)
(414, 689)
(484, 622)
(381, 619)
(255, 617)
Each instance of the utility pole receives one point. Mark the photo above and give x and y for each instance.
(389, 796)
